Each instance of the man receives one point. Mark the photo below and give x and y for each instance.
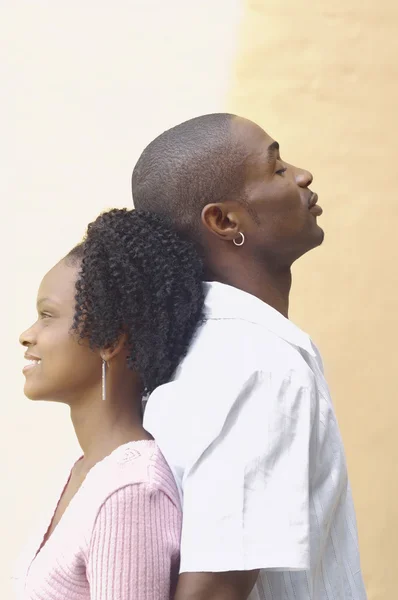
(247, 425)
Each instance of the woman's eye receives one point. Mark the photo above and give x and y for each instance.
(281, 171)
(44, 315)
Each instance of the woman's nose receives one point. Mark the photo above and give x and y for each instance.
(27, 338)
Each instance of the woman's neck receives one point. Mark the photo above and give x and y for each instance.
(101, 426)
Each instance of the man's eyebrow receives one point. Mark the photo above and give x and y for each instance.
(272, 148)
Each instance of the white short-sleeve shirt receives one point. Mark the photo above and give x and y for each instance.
(249, 430)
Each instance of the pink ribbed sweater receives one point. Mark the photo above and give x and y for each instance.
(119, 537)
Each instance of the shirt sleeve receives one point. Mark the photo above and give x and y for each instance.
(134, 548)
(246, 499)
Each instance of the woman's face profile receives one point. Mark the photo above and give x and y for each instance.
(60, 367)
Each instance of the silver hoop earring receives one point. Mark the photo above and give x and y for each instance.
(242, 240)
(103, 379)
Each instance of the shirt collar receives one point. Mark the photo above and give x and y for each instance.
(227, 302)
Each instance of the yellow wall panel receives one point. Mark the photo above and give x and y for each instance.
(322, 79)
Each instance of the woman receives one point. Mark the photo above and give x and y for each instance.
(115, 317)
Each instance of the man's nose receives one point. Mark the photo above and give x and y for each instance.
(303, 178)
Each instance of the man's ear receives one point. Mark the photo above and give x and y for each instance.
(220, 220)
(109, 353)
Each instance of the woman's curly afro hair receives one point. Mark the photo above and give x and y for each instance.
(139, 278)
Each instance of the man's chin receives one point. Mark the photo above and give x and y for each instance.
(313, 241)
(317, 236)
(320, 236)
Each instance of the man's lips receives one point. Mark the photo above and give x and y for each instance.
(313, 206)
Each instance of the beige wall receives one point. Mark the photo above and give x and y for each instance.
(323, 79)
(86, 85)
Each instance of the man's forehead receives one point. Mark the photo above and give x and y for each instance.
(253, 136)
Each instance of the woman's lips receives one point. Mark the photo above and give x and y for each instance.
(31, 365)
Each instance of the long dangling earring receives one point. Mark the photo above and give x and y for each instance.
(103, 379)
(241, 241)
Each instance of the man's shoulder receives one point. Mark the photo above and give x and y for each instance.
(239, 345)
(227, 364)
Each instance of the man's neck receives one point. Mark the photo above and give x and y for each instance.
(271, 288)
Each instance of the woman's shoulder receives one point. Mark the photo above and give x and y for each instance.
(131, 486)
(135, 463)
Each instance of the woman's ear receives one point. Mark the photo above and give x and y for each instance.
(108, 353)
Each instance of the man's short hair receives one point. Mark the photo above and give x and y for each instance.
(193, 164)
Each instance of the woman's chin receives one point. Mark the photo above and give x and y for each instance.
(34, 394)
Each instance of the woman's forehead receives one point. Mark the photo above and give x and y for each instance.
(58, 285)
